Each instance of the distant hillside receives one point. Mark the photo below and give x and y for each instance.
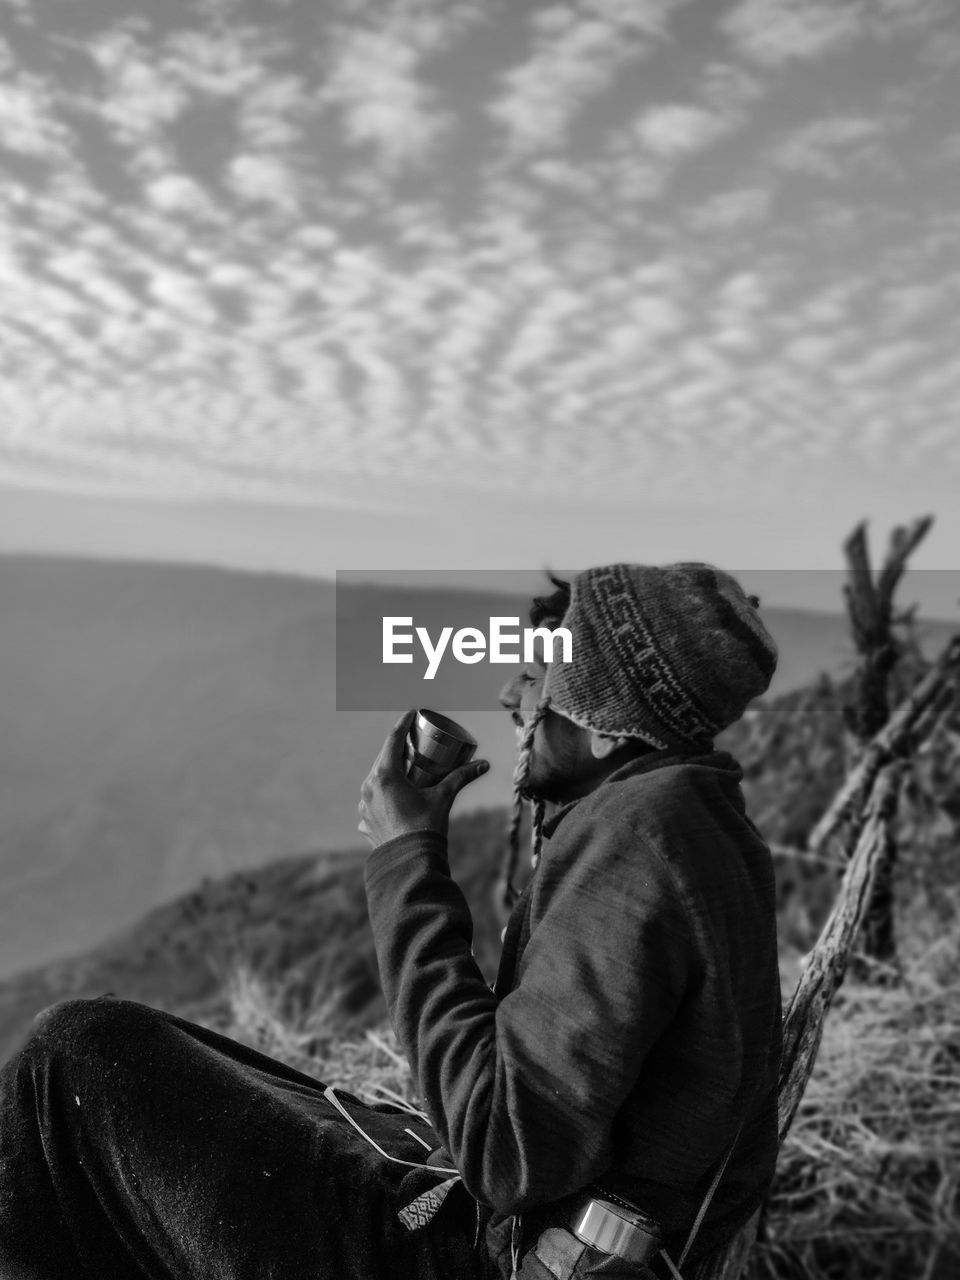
(166, 723)
(303, 917)
(162, 724)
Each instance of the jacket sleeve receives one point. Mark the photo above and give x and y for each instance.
(524, 1090)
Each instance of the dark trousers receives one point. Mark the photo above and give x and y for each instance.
(134, 1144)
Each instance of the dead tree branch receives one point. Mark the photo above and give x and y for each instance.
(908, 725)
(870, 607)
(827, 963)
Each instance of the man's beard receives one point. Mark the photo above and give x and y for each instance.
(550, 789)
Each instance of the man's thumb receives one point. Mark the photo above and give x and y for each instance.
(457, 779)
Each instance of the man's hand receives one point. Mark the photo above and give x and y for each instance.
(390, 805)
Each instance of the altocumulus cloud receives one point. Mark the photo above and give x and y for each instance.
(273, 252)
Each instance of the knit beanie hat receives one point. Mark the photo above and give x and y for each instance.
(669, 654)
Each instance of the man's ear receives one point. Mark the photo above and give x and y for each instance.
(603, 744)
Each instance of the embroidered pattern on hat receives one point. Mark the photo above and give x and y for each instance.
(649, 671)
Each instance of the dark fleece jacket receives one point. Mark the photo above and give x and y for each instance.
(636, 1017)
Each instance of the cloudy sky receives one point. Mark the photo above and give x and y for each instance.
(334, 283)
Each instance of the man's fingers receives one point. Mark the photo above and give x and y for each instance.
(457, 779)
(391, 753)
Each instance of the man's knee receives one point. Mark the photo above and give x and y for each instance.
(48, 1017)
(100, 1025)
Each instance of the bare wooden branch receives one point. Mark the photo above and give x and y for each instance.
(859, 591)
(873, 625)
(869, 601)
(827, 963)
(896, 738)
(903, 543)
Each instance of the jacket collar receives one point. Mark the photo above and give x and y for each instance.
(647, 763)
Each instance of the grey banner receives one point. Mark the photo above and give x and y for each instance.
(454, 628)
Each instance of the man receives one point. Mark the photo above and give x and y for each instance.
(632, 1034)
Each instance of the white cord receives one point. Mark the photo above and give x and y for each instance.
(416, 1137)
(330, 1095)
(670, 1263)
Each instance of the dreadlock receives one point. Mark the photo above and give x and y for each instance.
(521, 774)
(551, 607)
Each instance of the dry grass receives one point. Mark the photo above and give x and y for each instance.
(372, 1067)
(868, 1180)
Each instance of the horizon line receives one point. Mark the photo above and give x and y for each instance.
(329, 578)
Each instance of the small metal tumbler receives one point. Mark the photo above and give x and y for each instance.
(435, 746)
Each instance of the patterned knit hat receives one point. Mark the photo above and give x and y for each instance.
(670, 654)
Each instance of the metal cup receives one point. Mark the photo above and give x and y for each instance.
(435, 746)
